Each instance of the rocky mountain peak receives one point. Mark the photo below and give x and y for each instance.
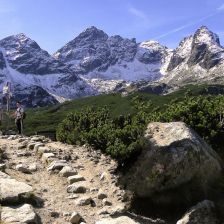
(25, 56)
(18, 42)
(89, 35)
(93, 33)
(204, 36)
(22, 37)
(206, 50)
(83, 45)
(203, 49)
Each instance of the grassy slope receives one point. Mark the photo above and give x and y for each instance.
(47, 118)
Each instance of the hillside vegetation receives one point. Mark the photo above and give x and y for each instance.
(116, 124)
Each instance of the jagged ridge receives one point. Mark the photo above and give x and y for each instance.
(93, 63)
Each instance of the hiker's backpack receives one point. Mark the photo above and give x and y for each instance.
(24, 115)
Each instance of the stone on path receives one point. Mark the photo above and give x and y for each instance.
(22, 168)
(75, 178)
(31, 145)
(47, 157)
(75, 218)
(2, 166)
(101, 195)
(32, 167)
(86, 200)
(12, 190)
(77, 188)
(57, 165)
(67, 171)
(106, 202)
(22, 214)
(38, 145)
(37, 138)
(4, 175)
(23, 153)
(43, 149)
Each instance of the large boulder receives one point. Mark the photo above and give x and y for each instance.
(22, 214)
(202, 213)
(176, 161)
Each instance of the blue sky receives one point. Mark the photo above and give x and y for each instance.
(52, 23)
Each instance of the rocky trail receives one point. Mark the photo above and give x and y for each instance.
(46, 182)
(63, 184)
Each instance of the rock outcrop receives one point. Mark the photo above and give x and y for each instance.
(176, 159)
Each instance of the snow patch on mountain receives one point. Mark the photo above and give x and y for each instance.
(128, 71)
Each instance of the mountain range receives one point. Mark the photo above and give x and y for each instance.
(95, 63)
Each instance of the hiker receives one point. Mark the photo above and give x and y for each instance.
(19, 117)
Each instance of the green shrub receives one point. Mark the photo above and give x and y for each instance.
(120, 137)
(203, 114)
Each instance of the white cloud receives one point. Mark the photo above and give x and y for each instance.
(172, 31)
(186, 25)
(138, 13)
(221, 7)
